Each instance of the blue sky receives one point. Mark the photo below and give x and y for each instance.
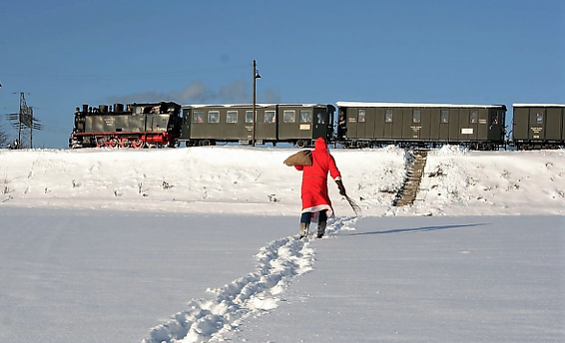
(63, 54)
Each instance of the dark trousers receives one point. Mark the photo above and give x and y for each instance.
(306, 217)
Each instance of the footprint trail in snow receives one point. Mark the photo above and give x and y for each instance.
(212, 320)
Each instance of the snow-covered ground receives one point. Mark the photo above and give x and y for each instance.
(234, 180)
(199, 244)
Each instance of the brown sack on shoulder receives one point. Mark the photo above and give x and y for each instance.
(301, 158)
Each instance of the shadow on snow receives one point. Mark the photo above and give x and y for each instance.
(418, 229)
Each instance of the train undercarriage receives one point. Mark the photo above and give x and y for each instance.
(136, 140)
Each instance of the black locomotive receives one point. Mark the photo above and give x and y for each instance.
(359, 125)
(136, 126)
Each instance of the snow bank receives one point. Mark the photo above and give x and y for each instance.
(228, 179)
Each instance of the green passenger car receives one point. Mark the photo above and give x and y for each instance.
(538, 126)
(362, 124)
(298, 124)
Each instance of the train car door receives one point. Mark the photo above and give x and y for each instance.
(341, 125)
(388, 120)
(186, 124)
(553, 124)
(482, 126)
(495, 126)
(378, 123)
(266, 125)
(370, 119)
(323, 125)
(537, 119)
(402, 129)
(361, 123)
(454, 118)
(442, 125)
(433, 121)
(416, 125)
(351, 118)
(425, 127)
(520, 123)
(198, 123)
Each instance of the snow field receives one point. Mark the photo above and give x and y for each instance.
(146, 231)
(213, 320)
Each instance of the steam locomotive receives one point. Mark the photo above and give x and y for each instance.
(359, 125)
(135, 125)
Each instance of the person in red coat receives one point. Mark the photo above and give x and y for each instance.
(314, 193)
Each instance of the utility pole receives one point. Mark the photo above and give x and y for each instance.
(255, 77)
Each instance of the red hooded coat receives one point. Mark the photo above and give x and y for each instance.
(314, 195)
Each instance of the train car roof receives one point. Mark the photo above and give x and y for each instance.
(538, 105)
(153, 103)
(248, 105)
(387, 104)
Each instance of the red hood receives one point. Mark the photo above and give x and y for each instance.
(321, 144)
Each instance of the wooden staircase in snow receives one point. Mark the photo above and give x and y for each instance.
(407, 194)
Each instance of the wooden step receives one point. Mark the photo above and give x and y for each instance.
(409, 190)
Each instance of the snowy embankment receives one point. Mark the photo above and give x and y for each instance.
(229, 179)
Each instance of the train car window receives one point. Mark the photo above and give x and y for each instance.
(388, 116)
(198, 117)
(289, 116)
(473, 117)
(444, 117)
(494, 119)
(213, 117)
(138, 110)
(361, 117)
(416, 116)
(321, 118)
(248, 117)
(305, 116)
(269, 117)
(231, 117)
(539, 118)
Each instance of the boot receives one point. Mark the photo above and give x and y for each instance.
(321, 229)
(304, 229)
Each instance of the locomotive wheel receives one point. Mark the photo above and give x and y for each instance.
(100, 142)
(125, 143)
(301, 143)
(113, 142)
(205, 142)
(137, 143)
